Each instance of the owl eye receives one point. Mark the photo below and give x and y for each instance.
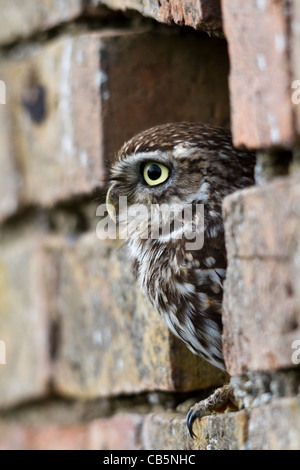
(155, 173)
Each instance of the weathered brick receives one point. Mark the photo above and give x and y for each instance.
(260, 78)
(23, 313)
(200, 14)
(275, 426)
(165, 431)
(55, 138)
(121, 432)
(10, 181)
(72, 103)
(21, 18)
(261, 301)
(168, 431)
(109, 340)
(295, 55)
(221, 431)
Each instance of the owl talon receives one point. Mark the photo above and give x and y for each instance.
(222, 399)
(190, 418)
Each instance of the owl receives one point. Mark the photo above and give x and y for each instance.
(173, 179)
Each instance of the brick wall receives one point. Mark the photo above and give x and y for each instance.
(88, 363)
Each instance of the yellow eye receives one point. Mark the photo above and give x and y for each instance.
(155, 173)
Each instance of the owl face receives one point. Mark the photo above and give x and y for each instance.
(156, 177)
(154, 184)
(166, 165)
(175, 165)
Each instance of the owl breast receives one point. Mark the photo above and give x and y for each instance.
(185, 287)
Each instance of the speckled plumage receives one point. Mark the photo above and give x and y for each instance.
(184, 285)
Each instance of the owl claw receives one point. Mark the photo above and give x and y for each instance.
(190, 418)
(223, 398)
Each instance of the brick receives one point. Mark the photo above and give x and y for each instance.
(168, 431)
(261, 301)
(260, 81)
(295, 56)
(24, 322)
(275, 426)
(221, 431)
(165, 431)
(69, 105)
(119, 432)
(10, 181)
(44, 96)
(110, 341)
(200, 14)
(21, 18)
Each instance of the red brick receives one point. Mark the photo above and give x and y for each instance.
(24, 320)
(165, 431)
(226, 431)
(200, 14)
(295, 56)
(90, 86)
(121, 432)
(10, 179)
(56, 152)
(275, 426)
(110, 341)
(168, 431)
(261, 301)
(23, 18)
(260, 78)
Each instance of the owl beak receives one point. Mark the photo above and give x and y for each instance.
(112, 203)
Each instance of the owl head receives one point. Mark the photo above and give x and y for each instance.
(176, 165)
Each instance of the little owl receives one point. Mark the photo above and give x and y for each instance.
(181, 166)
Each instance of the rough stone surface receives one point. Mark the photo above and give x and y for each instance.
(21, 18)
(23, 313)
(10, 180)
(261, 301)
(117, 433)
(200, 14)
(165, 431)
(260, 82)
(275, 426)
(72, 103)
(221, 432)
(168, 431)
(109, 340)
(55, 138)
(295, 57)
